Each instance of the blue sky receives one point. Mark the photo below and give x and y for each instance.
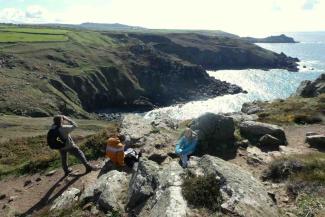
(244, 17)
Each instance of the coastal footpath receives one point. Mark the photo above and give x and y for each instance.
(250, 163)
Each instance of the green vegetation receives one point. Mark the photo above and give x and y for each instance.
(203, 192)
(293, 110)
(298, 168)
(305, 176)
(310, 206)
(35, 30)
(26, 37)
(30, 154)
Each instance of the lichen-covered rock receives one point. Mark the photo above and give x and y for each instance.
(242, 194)
(253, 131)
(135, 127)
(66, 200)
(168, 200)
(143, 183)
(215, 135)
(108, 192)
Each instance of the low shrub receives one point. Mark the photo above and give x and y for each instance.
(203, 192)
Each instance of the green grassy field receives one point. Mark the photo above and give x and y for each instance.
(33, 30)
(11, 34)
(9, 37)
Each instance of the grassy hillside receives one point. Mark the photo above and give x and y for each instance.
(23, 147)
(44, 71)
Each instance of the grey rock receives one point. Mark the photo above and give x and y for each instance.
(167, 200)
(27, 182)
(143, 183)
(12, 198)
(268, 142)
(242, 194)
(50, 173)
(311, 88)
(215, 135)
(253, 131)
(251, 108)
(2, 196)
(255, 156)
(135, 127)
(66, 200)
(317, 141)
(107, 192)
(311, 134)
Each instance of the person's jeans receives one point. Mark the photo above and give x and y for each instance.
(74, 150)
(184, 159)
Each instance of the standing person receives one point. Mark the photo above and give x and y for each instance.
(69, 145)
(186, 145)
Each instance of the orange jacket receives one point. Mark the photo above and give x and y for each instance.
(115, 151)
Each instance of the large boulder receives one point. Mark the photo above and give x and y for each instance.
(311, 88)
(253, 131)
(143, 183)
(242, 194)
(66, 200)
(215, 135)
(107, 192)
(316, 141)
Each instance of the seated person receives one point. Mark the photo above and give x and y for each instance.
(186, 145)
(115, 150)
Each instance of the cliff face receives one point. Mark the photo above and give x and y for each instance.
(94, 71)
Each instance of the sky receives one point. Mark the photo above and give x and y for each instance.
(242, 17)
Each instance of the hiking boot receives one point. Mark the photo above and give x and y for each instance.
(68, 171)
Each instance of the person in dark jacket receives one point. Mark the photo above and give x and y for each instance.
(66, 126)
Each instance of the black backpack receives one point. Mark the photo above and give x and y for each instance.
(54, 139)
(131, 157)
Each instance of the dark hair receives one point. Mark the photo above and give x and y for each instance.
(57, 120)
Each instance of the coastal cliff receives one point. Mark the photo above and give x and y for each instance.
(92, 71)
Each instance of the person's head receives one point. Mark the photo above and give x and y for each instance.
(188, 133)
(58, 120)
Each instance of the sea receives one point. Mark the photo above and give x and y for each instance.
(260, 84)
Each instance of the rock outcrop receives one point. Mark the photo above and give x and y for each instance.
(108, 192)
(67, 200)
(253, 131)
(215, 135)
(311, 88)
(242, 194)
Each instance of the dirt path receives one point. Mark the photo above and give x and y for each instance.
(42, 190)
(36, 195)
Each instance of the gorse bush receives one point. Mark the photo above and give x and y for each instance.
(203, 192)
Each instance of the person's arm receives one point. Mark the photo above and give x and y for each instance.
(69, 128)
(179, 145)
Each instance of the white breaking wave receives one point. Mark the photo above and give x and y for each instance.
(261, 85)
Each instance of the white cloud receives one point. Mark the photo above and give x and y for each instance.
(33, 14)
(249, 17)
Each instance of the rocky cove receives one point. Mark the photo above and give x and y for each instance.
(133, 70)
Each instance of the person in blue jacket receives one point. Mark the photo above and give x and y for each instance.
(186, 145)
